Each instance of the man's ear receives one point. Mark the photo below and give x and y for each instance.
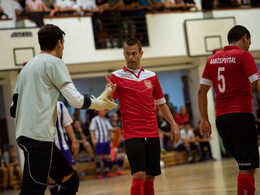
(59, 43)
(244, 38)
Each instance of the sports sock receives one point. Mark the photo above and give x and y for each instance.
(148, 188)
(107, 165)
(189, 153)
(98, 166)
(137, 187)
(120, 163)
(245, 184)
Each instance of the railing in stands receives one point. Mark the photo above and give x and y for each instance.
(112, 28)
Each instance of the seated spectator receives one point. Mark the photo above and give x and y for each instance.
(190, 4)
(204, 144)
(88, 6)
(182, 117)
(1, 9)
(84, 144)
(174, 4)
(77, 116)
(34, 9)
(3, 173)
(229, 3)
(13, 165)
(170, 105)
(99, 131)
(117, 145)
(164, 133)
(156, 4)
(50, 6)
(188, 141)
(2, 13)
(18, 9)
(68, 6)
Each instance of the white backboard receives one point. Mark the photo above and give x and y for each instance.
(205, 35)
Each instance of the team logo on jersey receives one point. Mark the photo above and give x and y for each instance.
(148, 84)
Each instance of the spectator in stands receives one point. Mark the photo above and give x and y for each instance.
(171, 4)
(190, 4)
(3, 173)
(18, 9)
(164, 133)
(117, 146)
(170, 105)
(182, 117)
(88, 6)
(84, 144)
(156, 4)
(77, 116)
(13, 165)
(50, 6)
(188, 141)
(34, 10)
(204, 144)
(1, 9)
(99, 131)
(68, 6)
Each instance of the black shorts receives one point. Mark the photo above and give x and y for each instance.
(144, 155)
(42, 160)
(238, 132)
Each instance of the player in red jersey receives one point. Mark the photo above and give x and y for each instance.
(232, 70)
(138, 90)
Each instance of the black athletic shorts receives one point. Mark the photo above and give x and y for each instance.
(144, 155)
(238, 132)
(42, 160)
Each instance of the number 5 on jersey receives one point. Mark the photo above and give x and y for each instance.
(222, 86)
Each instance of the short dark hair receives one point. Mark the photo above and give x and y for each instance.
(236, 33)
(48, 36)
(187, 123)
(132, 42)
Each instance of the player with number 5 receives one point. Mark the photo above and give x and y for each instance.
(231, 71)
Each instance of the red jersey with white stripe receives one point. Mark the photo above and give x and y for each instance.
(137, 94)
(231, 70)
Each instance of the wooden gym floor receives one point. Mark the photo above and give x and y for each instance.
(205, 178)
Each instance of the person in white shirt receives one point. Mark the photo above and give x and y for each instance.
(188, 141)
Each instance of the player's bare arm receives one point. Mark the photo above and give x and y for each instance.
(175, 132)
(205, 127)
(113, 87)
(256, 85)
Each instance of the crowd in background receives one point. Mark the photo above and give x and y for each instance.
(9, 168)
(36, 9)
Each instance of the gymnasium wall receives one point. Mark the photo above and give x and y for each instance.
(165, 30)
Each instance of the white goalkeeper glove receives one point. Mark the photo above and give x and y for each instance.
(102, 102)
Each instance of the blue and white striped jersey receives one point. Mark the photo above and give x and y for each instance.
(101, 126)
(63, 120)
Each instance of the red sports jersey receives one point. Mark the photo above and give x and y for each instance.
(137, 95)
(231, 70)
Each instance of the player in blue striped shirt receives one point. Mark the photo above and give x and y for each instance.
(100, 136)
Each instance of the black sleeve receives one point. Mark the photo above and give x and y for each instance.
(87, 102)
(13, 105)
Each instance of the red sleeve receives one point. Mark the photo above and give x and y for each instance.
(157, 90)
(113, 79)
(249, 67)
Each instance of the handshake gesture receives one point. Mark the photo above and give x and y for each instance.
(102, 102)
